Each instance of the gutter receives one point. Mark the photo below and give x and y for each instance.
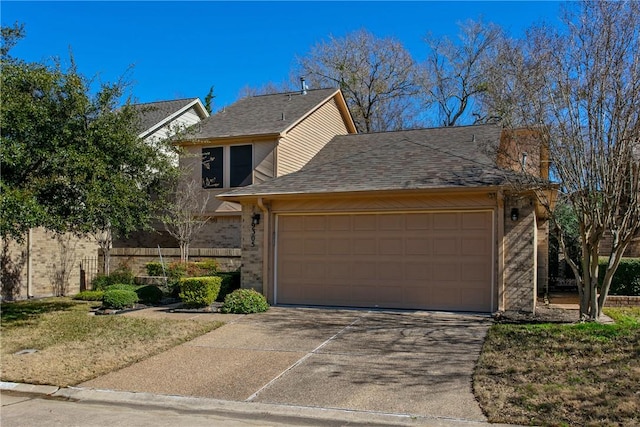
(265, 246)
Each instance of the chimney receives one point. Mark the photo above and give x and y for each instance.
(303, 85)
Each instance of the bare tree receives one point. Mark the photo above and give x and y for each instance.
(587, 92)
(456, 73)
(268, 88)
(185, 215)
(377, 77)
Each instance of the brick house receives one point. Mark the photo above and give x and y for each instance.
(417, 219)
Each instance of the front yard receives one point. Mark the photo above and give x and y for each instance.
(562, 375)
(73, 346)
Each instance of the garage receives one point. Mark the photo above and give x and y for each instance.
(433, 260)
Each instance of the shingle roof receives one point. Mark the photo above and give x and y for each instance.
(152, 113)
(261, 115)
(451, 157)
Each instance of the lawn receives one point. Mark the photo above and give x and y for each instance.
(562, 375)
(74, 346)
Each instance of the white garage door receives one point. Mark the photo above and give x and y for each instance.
(429, 260)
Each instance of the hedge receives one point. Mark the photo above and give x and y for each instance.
(199, 291)
(626, 280)
(119, 299)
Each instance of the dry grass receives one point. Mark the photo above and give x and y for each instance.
(73, 346)
(562, 375)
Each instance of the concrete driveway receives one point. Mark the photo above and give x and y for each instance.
(417, 363)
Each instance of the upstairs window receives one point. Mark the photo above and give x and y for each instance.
(240, 165)
(230, 166)
(213, 167)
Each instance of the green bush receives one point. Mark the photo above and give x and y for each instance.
(122, 287)
(199, 291)
(626, 280)
(244, 301)
(155, 269)
(119, 299)
(89, 296)
(149, 294)
(121, 275)
(230, 282)
(100, 282)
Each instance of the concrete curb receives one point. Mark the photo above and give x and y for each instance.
(250, 410)
(46, 390)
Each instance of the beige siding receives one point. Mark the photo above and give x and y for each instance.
(263, 161)
(307, 138)
(386, 203)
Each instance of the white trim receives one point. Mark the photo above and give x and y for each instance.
(194, 103)
(493, 238)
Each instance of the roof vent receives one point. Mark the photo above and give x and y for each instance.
(303, 86)
(282, 116)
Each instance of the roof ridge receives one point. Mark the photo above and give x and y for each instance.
(166, 100)
(292, 92)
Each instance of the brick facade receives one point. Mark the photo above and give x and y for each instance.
(54, 264)
(136, 259)
(252, 248)
(519, 256)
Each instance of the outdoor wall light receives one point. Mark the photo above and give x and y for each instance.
(255, 219)
(515, 214)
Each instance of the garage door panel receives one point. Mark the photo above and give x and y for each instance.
(446, 246)
(426, 260)
(390, 245)
(363, 246)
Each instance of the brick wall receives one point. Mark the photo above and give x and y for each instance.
(136, 259)
(55, 264)
(622, 301)
(519, 263)
(219, 232)
(252, 246)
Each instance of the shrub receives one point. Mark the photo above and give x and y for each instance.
(119, 299)
(230, 282)
(207, 268)
(155, 269)
(100, 282)
(199, 291)
(626, 280)
(122, 287)
(244, 301)
(149, 294)
(89, 296)
(122, 275)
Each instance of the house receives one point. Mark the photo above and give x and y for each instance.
(160, 120)
(253, 141)
(428, 219)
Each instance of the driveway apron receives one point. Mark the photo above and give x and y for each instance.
(417, 363)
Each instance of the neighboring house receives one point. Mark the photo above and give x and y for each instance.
(419, 219)
(255, 140)
(158, 121)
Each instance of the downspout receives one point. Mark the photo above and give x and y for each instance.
(501, 248)
(265, 247)
(29, 266)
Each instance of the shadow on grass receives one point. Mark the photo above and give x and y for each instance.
(17, 312)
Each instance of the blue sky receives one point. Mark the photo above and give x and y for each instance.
(171, 50)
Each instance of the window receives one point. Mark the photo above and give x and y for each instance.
(241, 165)
(230, 166)
(212, 167)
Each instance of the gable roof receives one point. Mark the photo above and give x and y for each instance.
(451, 157)
(268, 114)
(154, 115)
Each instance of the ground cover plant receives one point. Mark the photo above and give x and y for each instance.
(554, 374)
(73, 346)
